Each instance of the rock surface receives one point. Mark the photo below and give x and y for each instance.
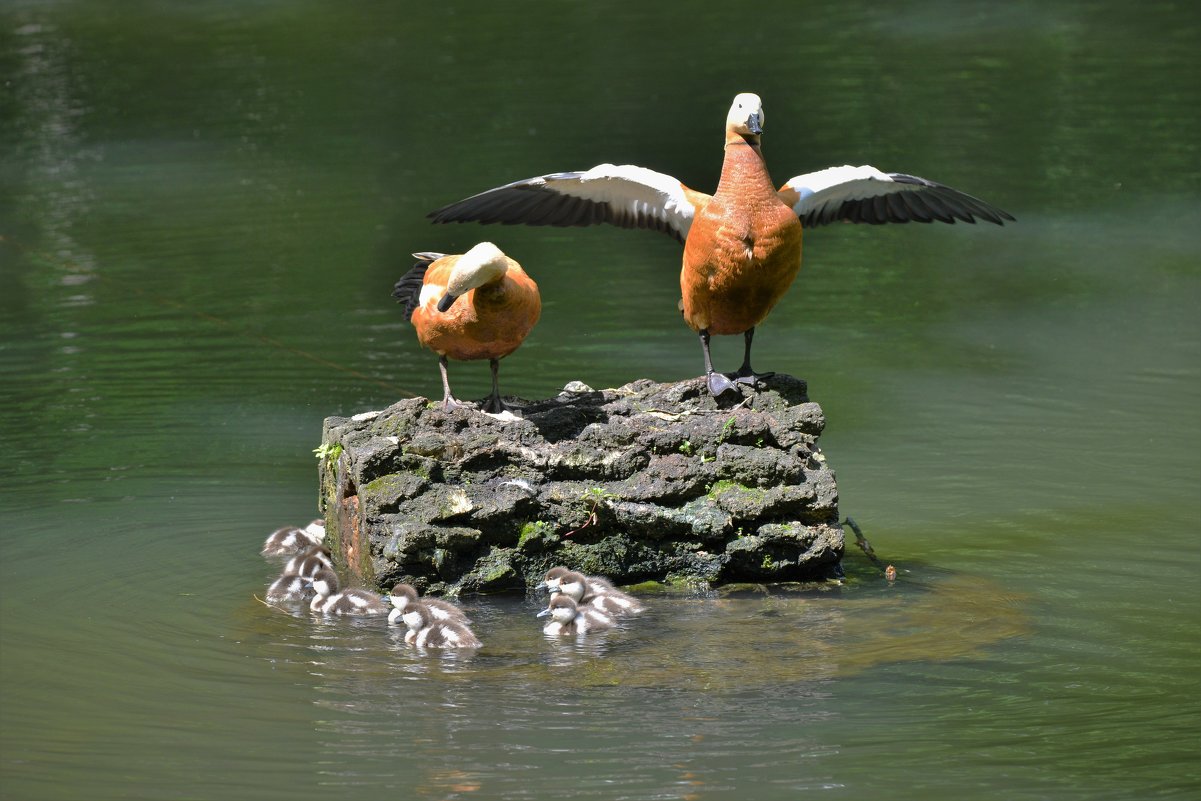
(644, 482)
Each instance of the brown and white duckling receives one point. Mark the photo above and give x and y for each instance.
(405, 595)
(309, 562)
(569, 619)
(426, 631)
(351, 601)
(289, 588)
(598, 593)
(290, 540)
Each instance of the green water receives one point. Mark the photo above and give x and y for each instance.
(204, 205)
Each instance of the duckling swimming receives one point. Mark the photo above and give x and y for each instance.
(291, 540)
(568, 619)
(309, 562)
(598, 593)
(404, 596)
(352, 601)
(425, 631)
(289, 588)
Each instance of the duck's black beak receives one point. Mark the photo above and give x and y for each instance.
(446, 302)
(754, 124)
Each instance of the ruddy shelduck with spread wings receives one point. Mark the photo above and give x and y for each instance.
(742, 245)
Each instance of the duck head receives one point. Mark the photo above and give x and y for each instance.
(561, 609)
(552, 578)
(403, 596)
(417, 616)
(481, 265)
(746, 117)
(574, 585)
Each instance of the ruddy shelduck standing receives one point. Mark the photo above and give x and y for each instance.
(742, 245)
(478, 305)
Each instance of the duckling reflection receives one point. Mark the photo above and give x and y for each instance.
(403, 596)
(568, 619)
(351, 601)
(425, 631)
(290, 540)
(598, 593)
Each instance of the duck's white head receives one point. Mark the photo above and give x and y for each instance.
(561, 609)
(482, 264)
(746, 116)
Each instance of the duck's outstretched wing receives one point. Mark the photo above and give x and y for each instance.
(866, 195)
(624, 195)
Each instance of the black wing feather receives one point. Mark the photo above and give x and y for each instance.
(408, 289)
(916, 200)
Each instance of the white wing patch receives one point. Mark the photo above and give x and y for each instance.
(866, 195)
(625, 195)
(430, 293)
(638, 191)
(845, 183)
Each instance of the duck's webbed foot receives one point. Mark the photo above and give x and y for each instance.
(718, 383)
(744, 374)
(494, 405)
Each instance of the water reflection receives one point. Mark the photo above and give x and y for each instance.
(677, 700)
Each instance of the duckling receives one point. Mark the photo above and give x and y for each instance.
(405, 595)
(291, 540)
(352, 601)
(599, 593)
(426, 631)
(289, 588)
(567, 618)
(309, 562)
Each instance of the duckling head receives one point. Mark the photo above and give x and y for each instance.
(403, 596)
(552, 578)
(573, 584)
(746, 116)
(325, 582)
(482, 264)
(417, 616)
(561, 609)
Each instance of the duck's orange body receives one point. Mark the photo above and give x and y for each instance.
(488, 322)
(742, 245)
(480, 305)
(744, 248)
